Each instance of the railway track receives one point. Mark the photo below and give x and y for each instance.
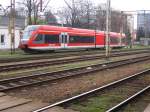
(60, 55)
(137, 84)
(128, 100)
(60, 61)
(139, 103)
(25, 81)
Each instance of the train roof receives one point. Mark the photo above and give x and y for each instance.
(75, 30)
(65, 29)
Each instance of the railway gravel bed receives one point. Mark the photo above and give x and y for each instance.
(103, 98)
(51, 92)
(18, 82)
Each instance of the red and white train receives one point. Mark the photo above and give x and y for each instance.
(45, 37)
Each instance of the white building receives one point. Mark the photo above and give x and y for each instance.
(5, 40)
(145, 41)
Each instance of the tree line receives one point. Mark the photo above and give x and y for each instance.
(76, 13)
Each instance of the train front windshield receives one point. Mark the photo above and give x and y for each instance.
(28, 31)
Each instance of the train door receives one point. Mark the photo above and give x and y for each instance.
(64, 38)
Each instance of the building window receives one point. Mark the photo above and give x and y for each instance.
(2, 39)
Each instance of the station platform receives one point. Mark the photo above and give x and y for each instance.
(14, 104)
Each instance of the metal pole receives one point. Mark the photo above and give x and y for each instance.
(10, 22)
(144, 24)
(12, 26)
(108, 21)
(132, 30)
(72, 11)
(95, 27)
(121, 27)
(13, 30)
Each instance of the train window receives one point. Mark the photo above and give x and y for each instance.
(39, 39)
(51, 38)
(81, 39)
(123, 40)
(28, 31)
(114, 40)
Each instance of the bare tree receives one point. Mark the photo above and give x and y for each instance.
(29, 7)
(33, 7)
(71, 12)
(78, 14)
(50, 18)
(101, 17)
(87, 17)
(65, 16)
(118, 20)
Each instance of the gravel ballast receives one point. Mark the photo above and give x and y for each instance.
(52, 92)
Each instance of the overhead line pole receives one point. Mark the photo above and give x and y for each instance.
(132, 31)
(73, 12)
(121, 27)
(145, 25)
(95, 27)
(12, 25)
(108, 25)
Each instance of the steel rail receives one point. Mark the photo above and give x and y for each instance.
(92, 91)
(113, 109)
(60, 61)
(24, 81)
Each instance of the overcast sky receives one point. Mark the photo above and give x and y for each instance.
(125, 5)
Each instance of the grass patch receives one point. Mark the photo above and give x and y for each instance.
(96, 104)
(137, 47)
(6, 54)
